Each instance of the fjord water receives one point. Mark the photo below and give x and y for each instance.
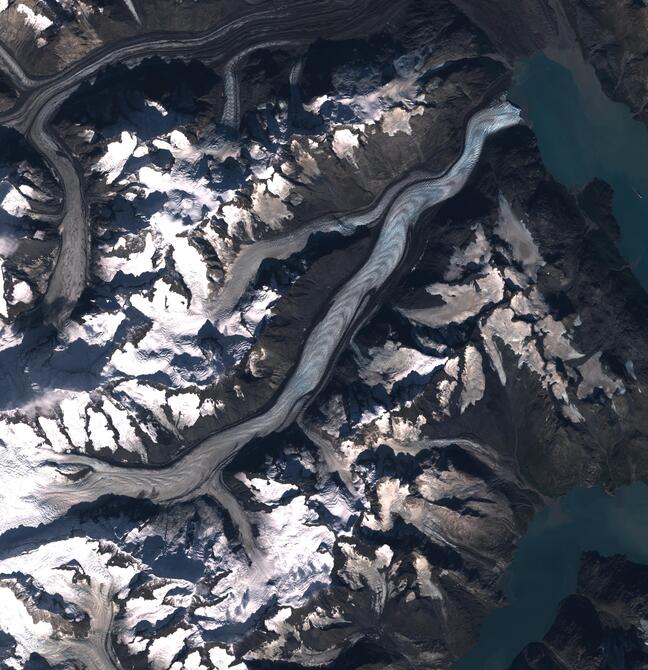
(582, 134)
(546, 562)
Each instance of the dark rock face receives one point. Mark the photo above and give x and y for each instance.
(596, 202)
(518, 29)
(613, 38)
(602, 625)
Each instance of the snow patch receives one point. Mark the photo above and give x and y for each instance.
(344, 143)
(116, 156)
(461, 301)
(472, 379)
(393, 363)
(39, 22)
(517, 235)
(265, 491)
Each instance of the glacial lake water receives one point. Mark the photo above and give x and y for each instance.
(581, 135)
(545, 566)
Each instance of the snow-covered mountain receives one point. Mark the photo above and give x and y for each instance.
(296, 333)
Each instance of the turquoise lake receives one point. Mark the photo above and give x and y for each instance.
(581, 135)
(546, 563)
